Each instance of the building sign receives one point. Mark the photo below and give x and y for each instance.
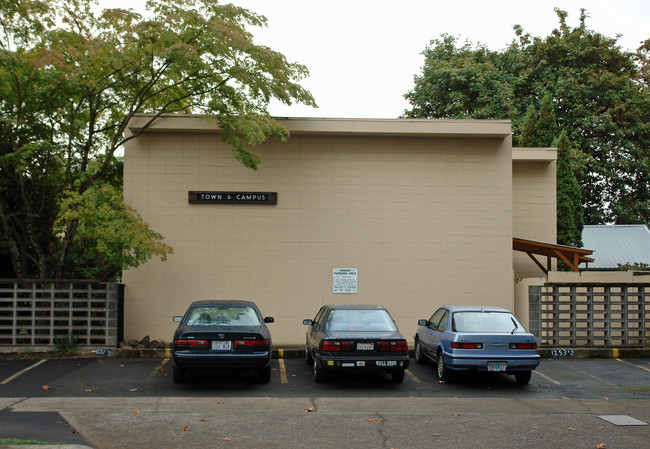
(345, 280)
(195, 197)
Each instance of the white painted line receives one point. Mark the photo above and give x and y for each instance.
(546, 377)
(638, 366)
(20, 373)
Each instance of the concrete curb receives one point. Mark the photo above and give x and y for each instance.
(297, 352)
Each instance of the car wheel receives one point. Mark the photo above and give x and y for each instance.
(319, 373)
(444, 374)
(398, 376)
(308, 357)
(523, 377)
(419, 357)
(264, 375)
(178, 374)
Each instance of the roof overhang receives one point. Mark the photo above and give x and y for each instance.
(573, 257)
(494, 129)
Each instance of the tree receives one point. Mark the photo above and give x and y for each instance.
(600, 94)
(70, 81)
(570, 219)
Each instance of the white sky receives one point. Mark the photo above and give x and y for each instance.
(362, 54)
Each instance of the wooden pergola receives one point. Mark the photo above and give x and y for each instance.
(572, 256)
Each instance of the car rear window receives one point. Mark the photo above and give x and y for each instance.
(486, 322)
(359, 320)
(222, 316)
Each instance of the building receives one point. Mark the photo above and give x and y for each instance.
(409, 214)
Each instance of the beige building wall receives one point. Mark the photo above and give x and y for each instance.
(422, 208)
(534, 204)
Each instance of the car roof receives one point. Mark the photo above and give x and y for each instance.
(355, 306)
(476, 309)
(223, 302)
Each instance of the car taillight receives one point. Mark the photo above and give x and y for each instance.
(523, 345)
(336, 346)
(462, 345)
(393, 346)
(191, 342)
(251, 343)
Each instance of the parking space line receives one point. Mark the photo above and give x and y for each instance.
(160, 367)
(412, 376)
(20, 373)
(546, 377)
(638, 366)
(283, 369)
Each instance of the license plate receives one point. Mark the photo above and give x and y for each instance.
(365, 346)
(221, 345)
(497, 366)
(386, 363)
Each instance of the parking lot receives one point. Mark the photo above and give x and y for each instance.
(559, 408)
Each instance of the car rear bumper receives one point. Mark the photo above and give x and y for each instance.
(379, 363)
(456, 362)
(255, 360)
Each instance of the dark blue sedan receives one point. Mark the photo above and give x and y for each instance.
(355, 337)
(222, 336)
(472, 338)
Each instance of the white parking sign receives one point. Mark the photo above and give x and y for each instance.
(344, 280)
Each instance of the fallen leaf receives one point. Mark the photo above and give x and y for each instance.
(601, 428)
(533, 430)
(600, 446)
(204, 420)
(456, 414)
(441, 381)
(606, 398)
(186, 428)
(80, 383)
(310, 409)
(225, 439)
(564, 397)
(46, 387)
(248, 405)
(219, 403)
(374, 420)
(88, 390)
(572, 429)
(436, 434)
(133, 389)
(122, 366)
(137, 412)
(167, 375)
(75, 431)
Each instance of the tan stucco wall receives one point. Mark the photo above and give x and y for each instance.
(424, 214)
(534, 204)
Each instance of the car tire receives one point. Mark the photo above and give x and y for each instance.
(523, 377)
(419, 357)
(308, 356)
(444, 373)
(264, 375)
(397, 376)
(178, 374)
(319, 373)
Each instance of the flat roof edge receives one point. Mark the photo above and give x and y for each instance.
(497, 129)
(534, 154)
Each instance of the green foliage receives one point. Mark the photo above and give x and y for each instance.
(600, 95)
(570, 220)
(70, 81)
(64, 344)
(111, 236)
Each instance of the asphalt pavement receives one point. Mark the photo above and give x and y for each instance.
(119, 403)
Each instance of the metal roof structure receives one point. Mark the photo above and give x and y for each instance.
(617, 244)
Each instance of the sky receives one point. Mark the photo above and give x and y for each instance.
(362, 55)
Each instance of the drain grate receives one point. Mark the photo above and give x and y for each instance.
(622, 420)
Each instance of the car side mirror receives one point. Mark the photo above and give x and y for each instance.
(269, 319)
(307, 322)
(178, 319)
(423, 322)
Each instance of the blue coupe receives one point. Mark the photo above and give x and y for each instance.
(472, 338)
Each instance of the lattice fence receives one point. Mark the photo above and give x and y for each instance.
(39, 313)
(590, 315)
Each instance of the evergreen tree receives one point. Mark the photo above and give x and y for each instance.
(570, 219)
